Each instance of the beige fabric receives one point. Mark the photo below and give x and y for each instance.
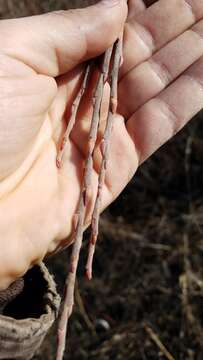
(21, 337)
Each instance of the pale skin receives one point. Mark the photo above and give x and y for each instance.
(41, 62)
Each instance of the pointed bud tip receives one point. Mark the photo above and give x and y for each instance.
(88, 274)
(93, 239)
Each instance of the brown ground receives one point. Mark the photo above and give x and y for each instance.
(148, 277)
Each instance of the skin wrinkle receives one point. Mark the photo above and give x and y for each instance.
(170, 115)
(161, 109)
(9, 52)
(84, 30)
(7, 187)
(161, 70)
(15, 179)
(158, 63)
(14, 109)
(10, 67)
(86, 45)
(197, 31)
(148, 37)
(21, 62)
(17, 95)
(175, 119)
(82, 38)
(147, 42)
(21, 153)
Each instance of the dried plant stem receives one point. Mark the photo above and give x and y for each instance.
(80, 215)
(105, 154)
(155, 338)
(74, 110)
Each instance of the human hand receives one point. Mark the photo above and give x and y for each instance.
(40, 68)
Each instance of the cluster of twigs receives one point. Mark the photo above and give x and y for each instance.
(109, 73)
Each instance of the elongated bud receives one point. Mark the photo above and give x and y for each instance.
(88, 274)
(75, 221)
(58, 163)
(103, 147)
(87, 196)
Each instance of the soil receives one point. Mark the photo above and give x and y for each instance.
(146, 298)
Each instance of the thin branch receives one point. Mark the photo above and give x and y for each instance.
(105, 145)
(155, 338)
(80, 215)
(71, 122)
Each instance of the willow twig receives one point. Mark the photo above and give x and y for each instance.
(81, 211)
(71, 122)
(105, 154)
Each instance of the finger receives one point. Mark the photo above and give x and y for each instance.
(135, 7)
(162, 117)
(54, 43)
(149, 78)
(153, 28)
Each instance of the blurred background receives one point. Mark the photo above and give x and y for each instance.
(146, 298)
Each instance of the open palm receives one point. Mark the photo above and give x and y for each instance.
(41, 66)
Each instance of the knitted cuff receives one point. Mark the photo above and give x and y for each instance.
(27, 311)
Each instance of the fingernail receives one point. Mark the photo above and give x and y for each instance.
(110, 2)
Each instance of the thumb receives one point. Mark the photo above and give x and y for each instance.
(54, 43)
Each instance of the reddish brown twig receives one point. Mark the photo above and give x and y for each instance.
(105, 154)
(80, 216)
(97, 100)
(74, 110)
